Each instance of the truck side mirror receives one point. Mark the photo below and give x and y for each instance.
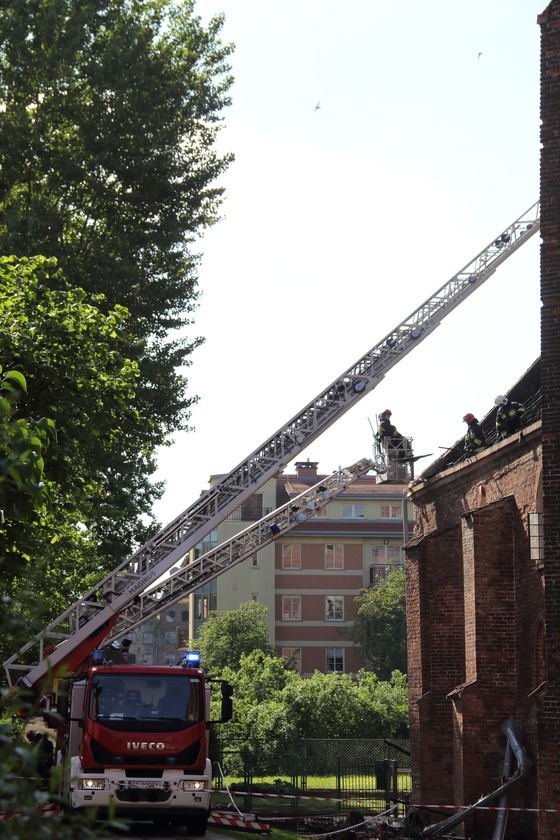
(227, 704)
(63, 699)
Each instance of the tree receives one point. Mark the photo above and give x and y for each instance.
(262, 720)
(22, 494)
(379, 629)
(274, 707)
(22, 445)
(226, 636)
(78, 377)
(109, 112)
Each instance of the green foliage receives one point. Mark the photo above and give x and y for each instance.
(23, 790)
(345, 706)
(70, 353)
(109, 112)
(261, 715)
(22, 445)
(379, 629)
(226, 636)
(274, 706)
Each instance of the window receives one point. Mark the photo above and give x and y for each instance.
(147, 659)
(390, 511)
(353, 511)
(291, 556)
(334, 608)
(254, 561)
(169, 659)
(209, 542)
(334, 660)
(387, 554)
(148, 638)
(536, 538)
(185, 616)
(171, 638)
(252, 509)
(384, 558)
(255, 597)
(334, 556)
(292, 655)
(202, 605)
(291, 607)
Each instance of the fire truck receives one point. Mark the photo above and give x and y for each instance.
(135, 737)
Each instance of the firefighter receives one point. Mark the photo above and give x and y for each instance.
(474, 439)
(387, 436)
(508, 418)
(386, 428)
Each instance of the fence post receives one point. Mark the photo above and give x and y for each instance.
(390, 782)
(338, 783)
(247, 777)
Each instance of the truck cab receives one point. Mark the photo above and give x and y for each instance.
(135, 738)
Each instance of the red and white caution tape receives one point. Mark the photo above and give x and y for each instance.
(46, 809)
(238, 822)
(284, 796)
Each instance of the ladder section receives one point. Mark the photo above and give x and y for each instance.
(35, 659)
(103, 603)
(182, 582)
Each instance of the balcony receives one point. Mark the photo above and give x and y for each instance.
(378, 572)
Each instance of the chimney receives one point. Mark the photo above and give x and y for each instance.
(306, 469)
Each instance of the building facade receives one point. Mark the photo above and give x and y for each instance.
(483, 575)
(476, 624)
(308, 579)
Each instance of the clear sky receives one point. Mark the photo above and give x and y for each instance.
(339, 221)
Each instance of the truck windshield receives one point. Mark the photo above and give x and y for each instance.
(139, 697)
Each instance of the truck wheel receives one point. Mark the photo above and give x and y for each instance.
(196, 824)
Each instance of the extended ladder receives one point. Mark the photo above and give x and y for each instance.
(73, 627)
(138, 572)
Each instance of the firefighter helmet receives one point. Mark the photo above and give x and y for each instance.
(385, 413)
(468, 418)
(500, 400)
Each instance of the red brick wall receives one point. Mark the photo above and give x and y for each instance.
(549, 721)
(474, 601)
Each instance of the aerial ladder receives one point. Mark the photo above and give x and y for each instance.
(112, 607)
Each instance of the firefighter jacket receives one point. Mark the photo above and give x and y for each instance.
(508, 418)
(386, 429)
(474, 439)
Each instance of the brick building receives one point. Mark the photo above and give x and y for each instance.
(483, 572)
(308, 579)
(475, 604)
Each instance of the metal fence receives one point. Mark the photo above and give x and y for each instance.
(314, 776)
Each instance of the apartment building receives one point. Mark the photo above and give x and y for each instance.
(308, 579)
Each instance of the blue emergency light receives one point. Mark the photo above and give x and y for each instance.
(97, 657)
(191, 659)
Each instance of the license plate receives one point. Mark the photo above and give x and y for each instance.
(144, 785)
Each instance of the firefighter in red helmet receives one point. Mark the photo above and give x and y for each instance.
(474, 439)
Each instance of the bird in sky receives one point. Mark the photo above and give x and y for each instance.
(478, 59)
(318, 105)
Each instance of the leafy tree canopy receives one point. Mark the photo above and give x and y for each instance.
(22, 444)
(226, 636)
(275, 707)
(109, 113)
(69, 353)
(379, 629)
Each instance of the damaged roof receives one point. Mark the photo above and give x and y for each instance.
(526, 390)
